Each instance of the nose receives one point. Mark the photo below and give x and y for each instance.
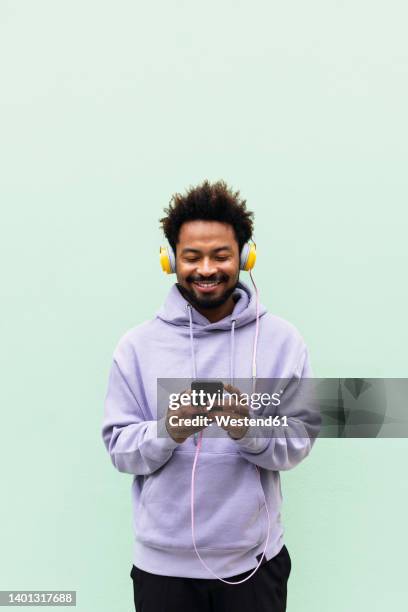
(206, 267)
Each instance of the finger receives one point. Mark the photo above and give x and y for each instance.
(231, 389)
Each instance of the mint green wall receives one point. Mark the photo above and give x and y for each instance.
(107, 108)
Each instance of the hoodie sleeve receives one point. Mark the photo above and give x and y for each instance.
(130, 440)
(285, 452)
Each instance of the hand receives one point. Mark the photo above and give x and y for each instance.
(233, 409)
(180, 433)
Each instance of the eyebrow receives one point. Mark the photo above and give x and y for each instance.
(191, 250)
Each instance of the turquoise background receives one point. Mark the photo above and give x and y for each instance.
(107, 109)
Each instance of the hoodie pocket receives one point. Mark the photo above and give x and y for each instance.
(229, 512)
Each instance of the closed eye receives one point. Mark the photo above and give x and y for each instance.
(218, 258)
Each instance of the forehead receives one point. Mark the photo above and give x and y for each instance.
(206, 233)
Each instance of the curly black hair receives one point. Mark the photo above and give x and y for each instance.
(208, 202)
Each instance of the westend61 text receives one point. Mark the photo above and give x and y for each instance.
(226, 420)
(199, 398)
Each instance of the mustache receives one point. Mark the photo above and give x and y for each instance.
(192, 279)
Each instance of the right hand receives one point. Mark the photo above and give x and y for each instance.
(180, 433)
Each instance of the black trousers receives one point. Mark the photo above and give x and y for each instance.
(265, 591)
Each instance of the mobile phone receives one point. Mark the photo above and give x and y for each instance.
(210, 387)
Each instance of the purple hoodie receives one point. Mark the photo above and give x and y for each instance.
(230, 518)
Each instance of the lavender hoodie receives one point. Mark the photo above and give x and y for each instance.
(230, 518)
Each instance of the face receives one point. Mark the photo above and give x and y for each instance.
(207, 262)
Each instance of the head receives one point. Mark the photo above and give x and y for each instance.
(207, 227)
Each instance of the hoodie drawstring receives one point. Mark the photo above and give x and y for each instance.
(232, 353)
(232, 346)
(192, 342)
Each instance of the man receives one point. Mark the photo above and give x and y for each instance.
(205, 329)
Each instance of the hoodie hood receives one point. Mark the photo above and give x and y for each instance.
(176, 311)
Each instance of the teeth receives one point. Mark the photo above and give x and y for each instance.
(207, 283)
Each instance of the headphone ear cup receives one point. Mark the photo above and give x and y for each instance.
(167, 259)
(248, 256)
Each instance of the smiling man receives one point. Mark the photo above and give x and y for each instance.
(206, 329)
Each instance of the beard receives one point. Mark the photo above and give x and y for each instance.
(206, 303)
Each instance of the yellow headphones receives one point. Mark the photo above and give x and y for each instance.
(246, 262)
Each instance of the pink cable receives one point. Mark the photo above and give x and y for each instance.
(256, 326)
(259, 474)
(192, 521)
